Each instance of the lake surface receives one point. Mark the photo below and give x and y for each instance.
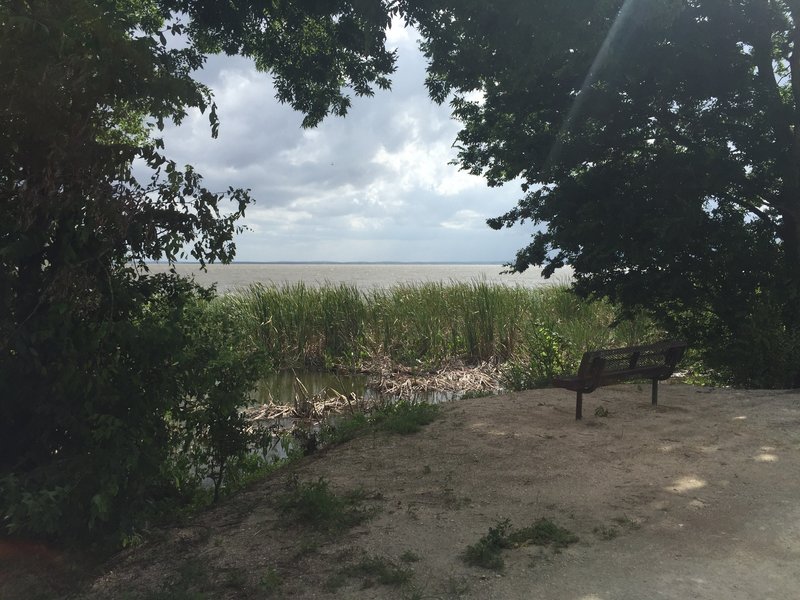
(363, 276)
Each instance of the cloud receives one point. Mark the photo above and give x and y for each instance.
(376, 185)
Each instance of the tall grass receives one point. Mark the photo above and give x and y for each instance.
(427, 324)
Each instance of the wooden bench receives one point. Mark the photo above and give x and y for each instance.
(604, 367)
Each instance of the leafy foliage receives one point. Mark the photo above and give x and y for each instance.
(657, 147)
(120, 393)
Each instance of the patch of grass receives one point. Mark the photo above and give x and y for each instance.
(430, 323)
(405, 417)
(235, 579)
(455, 587)
(625, 521)
(192, 576)
(477, 394)
(314, 504)
(306, 548)
(486, 552)
(453, 502)
(270, 582)
(334, 582)
(606, 533)
(601, 411)
(409, 557)
(378, 569)
(543, 533)
(344, 429)
(401, 417)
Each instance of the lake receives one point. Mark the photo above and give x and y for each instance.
(364, 276)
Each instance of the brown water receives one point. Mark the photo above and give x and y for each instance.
(363, 276)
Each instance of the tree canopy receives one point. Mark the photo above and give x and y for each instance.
(658, 146)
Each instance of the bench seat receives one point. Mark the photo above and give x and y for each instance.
(614, 365)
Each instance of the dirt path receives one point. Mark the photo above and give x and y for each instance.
(697, 499)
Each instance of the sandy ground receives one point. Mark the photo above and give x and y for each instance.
(695, 499)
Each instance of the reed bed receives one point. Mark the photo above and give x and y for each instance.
(426, 326)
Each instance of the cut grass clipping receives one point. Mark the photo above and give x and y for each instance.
(487, 552)
(314, 504)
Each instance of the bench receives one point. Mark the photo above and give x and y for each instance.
(604, 367)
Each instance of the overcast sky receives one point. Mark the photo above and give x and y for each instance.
(373, 186)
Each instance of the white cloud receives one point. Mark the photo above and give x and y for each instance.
(464, 219)
(376, 185)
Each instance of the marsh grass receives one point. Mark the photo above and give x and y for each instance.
(429, 324)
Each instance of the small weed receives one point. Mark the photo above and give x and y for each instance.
(334, 582)
(270, 582)
(409, 557)
(606, 533)
(453, 502)
(625, 521)
(313, 503)
(426, 470)
(455, 587)
(543, 533)
(412, 592)
(486, 552)
(601, 411)
(235, 579)
(305, 548)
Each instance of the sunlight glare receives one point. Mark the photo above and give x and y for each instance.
(684, 484)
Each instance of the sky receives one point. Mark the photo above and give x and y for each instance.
(373, 186)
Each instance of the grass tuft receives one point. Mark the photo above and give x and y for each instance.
(487, 552)
(543, 533)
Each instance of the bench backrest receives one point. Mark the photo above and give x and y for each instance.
(653, 360)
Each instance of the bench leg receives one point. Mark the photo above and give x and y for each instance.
(655, 392)
(579, 407)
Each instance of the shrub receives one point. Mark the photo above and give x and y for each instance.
(117, 421)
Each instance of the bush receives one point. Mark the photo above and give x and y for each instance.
(546, 355)
(111, 422)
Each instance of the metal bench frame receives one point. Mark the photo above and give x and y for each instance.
(605, 367)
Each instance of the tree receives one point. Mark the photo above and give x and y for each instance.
(94, 354)
(658, 144)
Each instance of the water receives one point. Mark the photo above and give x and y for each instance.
(281, 387)
(363, 276)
